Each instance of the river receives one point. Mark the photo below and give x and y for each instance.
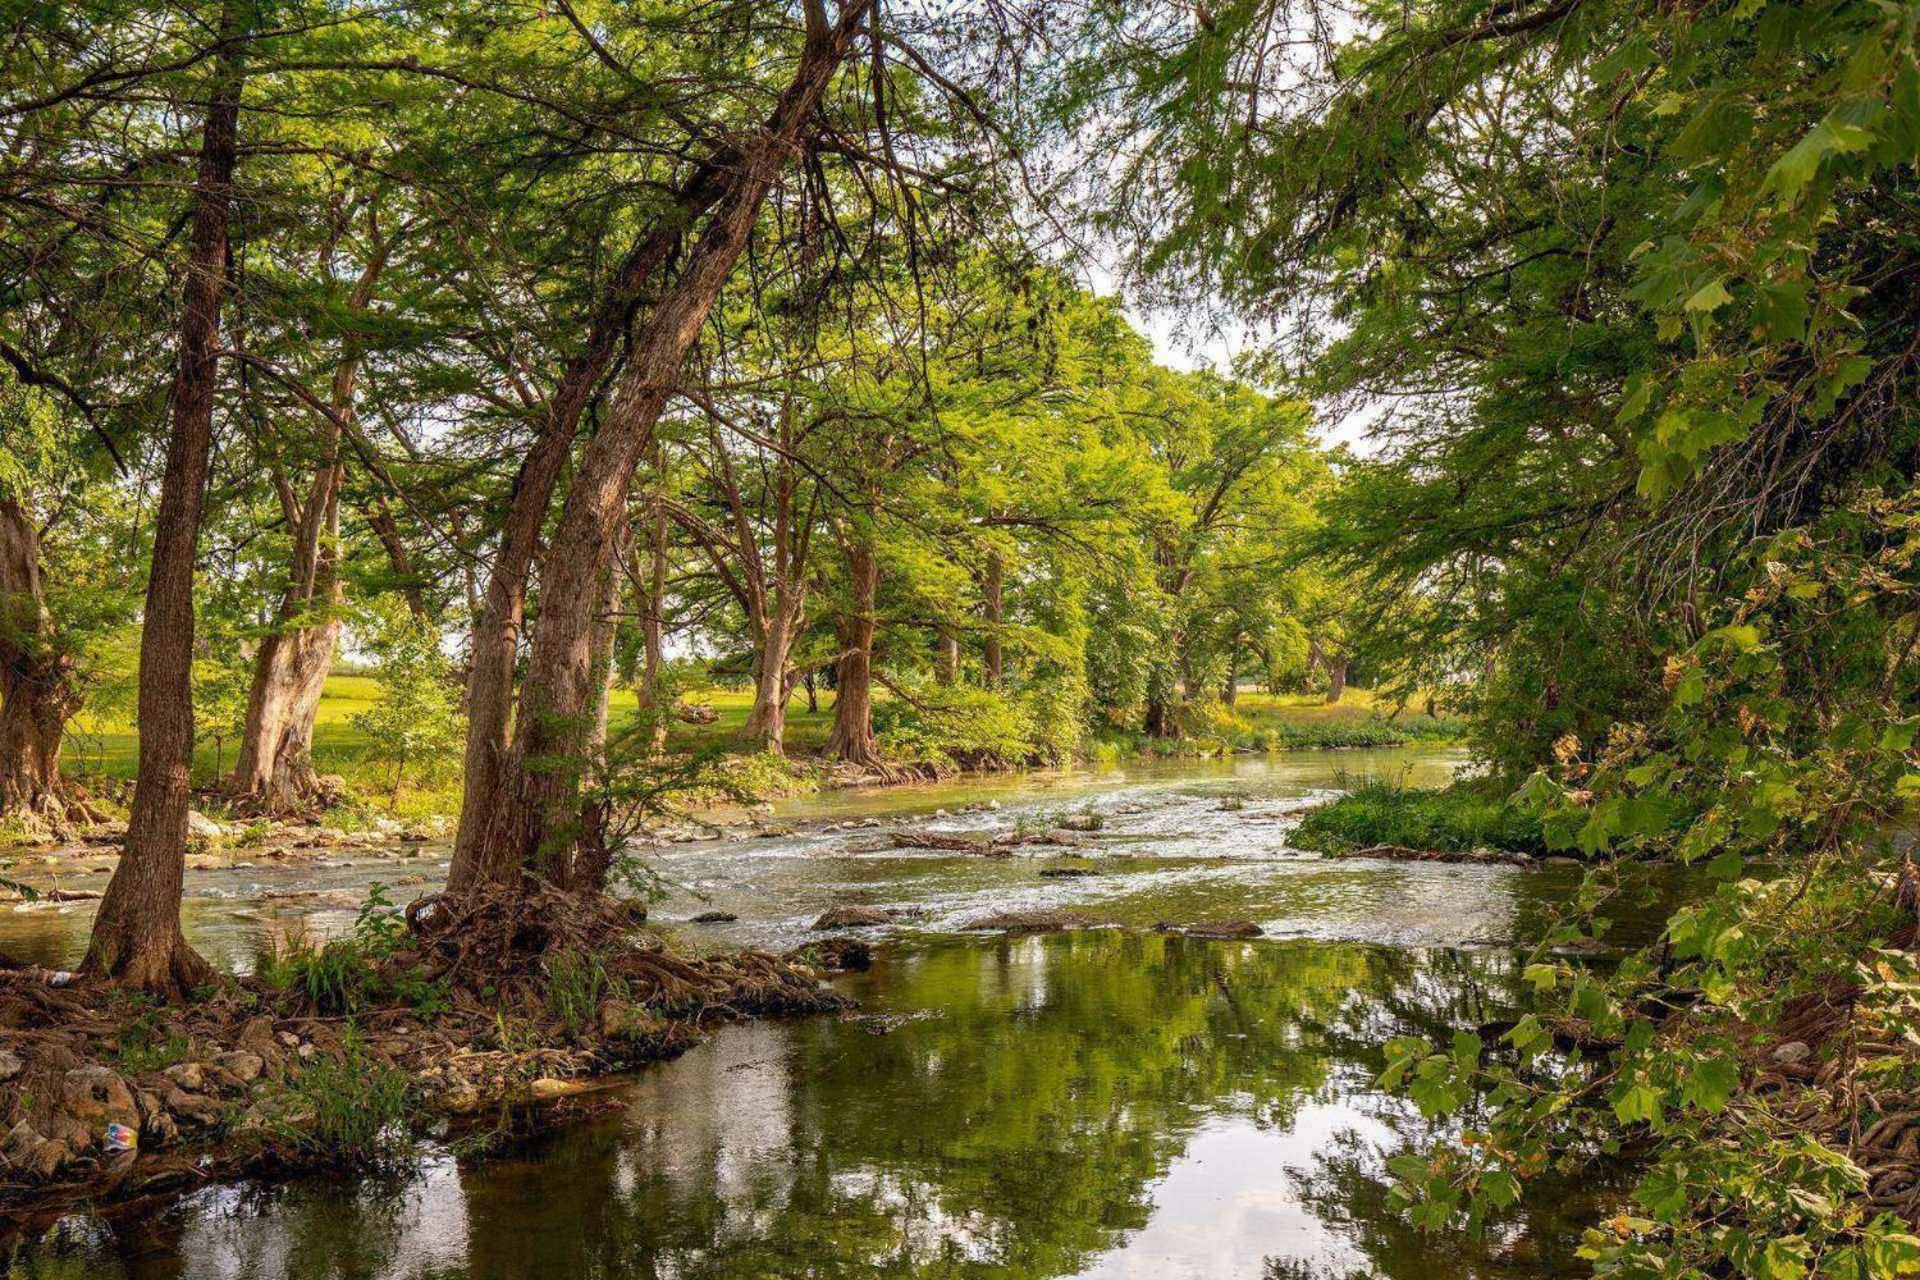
(1110, 1103)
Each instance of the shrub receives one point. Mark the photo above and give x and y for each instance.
(1467, 815)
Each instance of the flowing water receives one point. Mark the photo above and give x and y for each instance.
(1110, 1103)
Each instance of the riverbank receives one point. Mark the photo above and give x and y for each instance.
(1468, 816)
(365, 810)
(336, 1054)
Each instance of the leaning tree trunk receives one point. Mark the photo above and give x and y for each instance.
(137, 938)
(535, 815)
(852, 738)
(38, 689)
(1336, 676)
(497, 630)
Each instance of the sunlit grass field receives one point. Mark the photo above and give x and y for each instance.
(105, 747)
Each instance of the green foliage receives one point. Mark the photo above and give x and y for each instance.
(577, 984)
(1467, 815)
(416, 727)
(353, 973)
(147, 1039)
(351, 1109)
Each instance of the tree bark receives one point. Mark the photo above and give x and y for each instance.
(1336, 677)
(496, 632)
(947, 672)
(137, 939)
(274, 773)
(1230, 692)
(766, 728)
(535, 816)
(852, 737)
(38, 689)
(992, 606)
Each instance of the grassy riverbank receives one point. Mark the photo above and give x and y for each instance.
(1471, 814)
(103, 750)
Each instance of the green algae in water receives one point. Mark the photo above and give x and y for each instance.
(1101, 1104)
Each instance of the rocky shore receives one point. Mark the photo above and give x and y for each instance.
(482, 1005)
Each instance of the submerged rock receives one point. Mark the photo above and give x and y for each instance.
(1224, 929)
(853, 917)
(1066, 873)
(713, 917)
(1038, 920)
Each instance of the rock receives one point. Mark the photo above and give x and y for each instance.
(201, 827)
(10, 1064)
(1066, 873)
(1081, 822)
(835, 954)
(242, 1065)
(629, 1022)
(20, 1142)
(47, 1160)
(1042, 920)
(195, 1109)
(190, 1076)
(853, 918)
(714, 917)
(1792, 1053)
(1224, 929)
(257, 1038)
(157, 1128)
(96, 1098)
(275, 1115)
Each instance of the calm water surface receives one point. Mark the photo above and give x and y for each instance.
(1116, 1103)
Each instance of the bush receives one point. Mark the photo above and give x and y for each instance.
(959, 728)
(416, 728)
(1468, 815)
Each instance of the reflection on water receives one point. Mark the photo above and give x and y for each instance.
(1105, 1104)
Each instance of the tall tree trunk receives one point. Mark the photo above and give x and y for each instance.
(274, 773)
(137, 938)
(852, 738)
(38, 691)
(653, 627)
(947, 672)
(992, 607)
(1230, 692)
(535, 813)
(1336, 676)
(766, 728)
(496, 631)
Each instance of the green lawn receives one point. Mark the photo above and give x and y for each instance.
(106, 747)
(109, 747)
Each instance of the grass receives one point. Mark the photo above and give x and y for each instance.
(104, 748)
(110, 748)
(1288, 722)
(1467, 815)
(354, 1111)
